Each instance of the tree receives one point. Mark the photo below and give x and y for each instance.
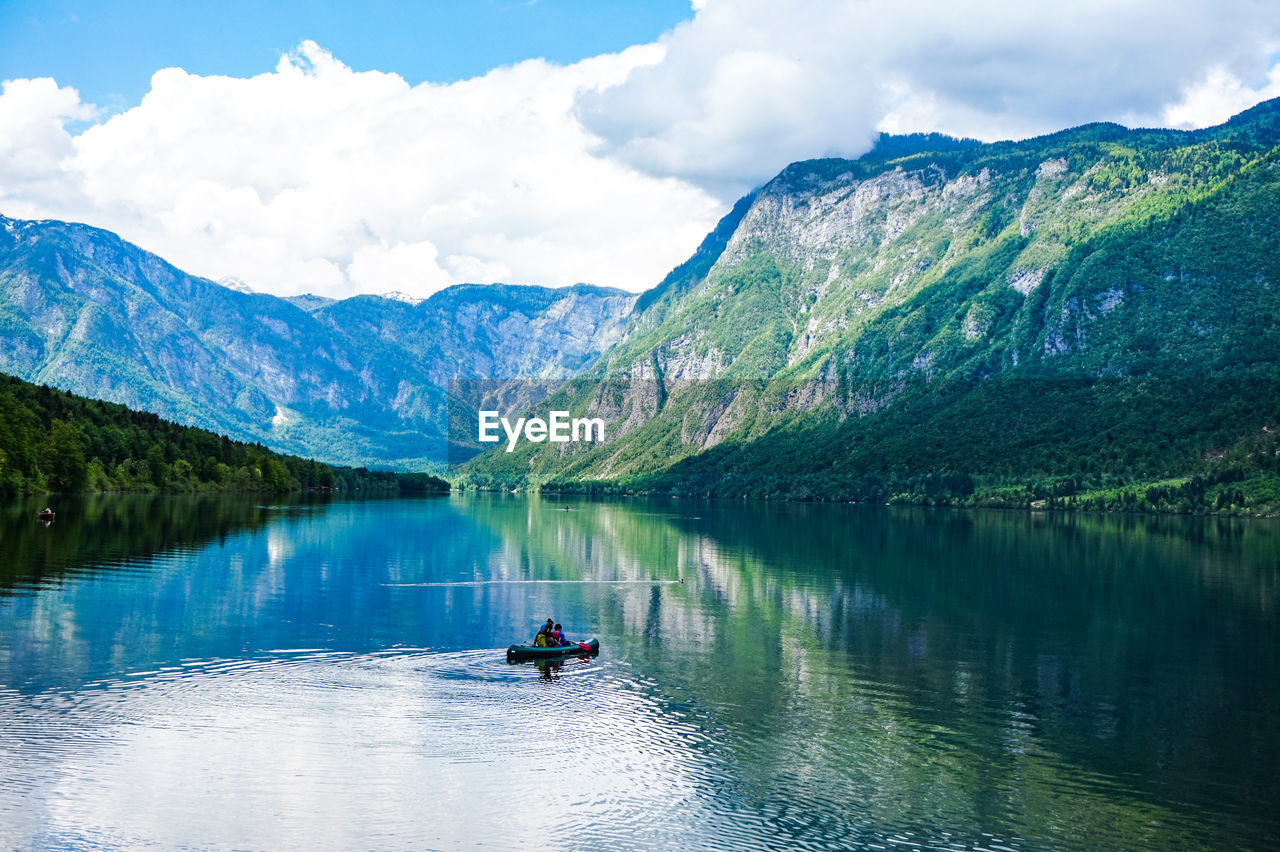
(159, 468)
(62, 457)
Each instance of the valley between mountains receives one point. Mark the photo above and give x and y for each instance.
(1089, 319)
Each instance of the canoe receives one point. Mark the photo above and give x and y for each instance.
(518, 653)
(46, 516)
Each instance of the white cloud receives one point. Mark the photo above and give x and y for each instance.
(405, 268)
(315, 177)
(750, 85)
(1217, 97)
(35, 144)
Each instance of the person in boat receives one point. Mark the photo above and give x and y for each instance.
(543, 639)
(557, 636)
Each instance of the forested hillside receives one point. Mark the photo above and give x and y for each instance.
(1088, 318)
(51, 440)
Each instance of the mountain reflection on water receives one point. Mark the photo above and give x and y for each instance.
(223, 674)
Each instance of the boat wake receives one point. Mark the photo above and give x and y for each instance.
(534, 582)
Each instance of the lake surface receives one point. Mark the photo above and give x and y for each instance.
(219, 674)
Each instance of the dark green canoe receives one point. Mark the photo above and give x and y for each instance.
(519, 653)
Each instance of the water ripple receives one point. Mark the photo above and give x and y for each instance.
(327, 749)
(589, 753)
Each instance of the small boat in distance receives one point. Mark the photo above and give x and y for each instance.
(46, 515)
(521, 653)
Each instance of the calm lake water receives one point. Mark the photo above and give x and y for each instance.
(219, 674)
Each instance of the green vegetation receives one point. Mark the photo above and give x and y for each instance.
(51, 440)
(1108, 447)
(1122, 445)
(1090, 319)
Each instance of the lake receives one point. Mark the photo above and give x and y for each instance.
(215, 673)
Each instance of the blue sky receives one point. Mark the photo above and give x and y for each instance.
(109, 50)
(341, 148)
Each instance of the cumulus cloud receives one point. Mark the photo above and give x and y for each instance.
(35, 144)
(318, 178)
(315, 177)
(1217, 97)
(402, 268)
(750, 85)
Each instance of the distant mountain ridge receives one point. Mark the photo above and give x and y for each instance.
(1095, 301)
(360, 381)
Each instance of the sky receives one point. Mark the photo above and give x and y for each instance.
(343, 148)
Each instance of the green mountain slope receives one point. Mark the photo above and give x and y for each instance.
(1046, 319)
(358, 381)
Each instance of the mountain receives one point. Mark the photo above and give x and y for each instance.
(1033, 320)
(357, 381)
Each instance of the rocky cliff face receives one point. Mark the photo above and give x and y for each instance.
(358, 381)
(492, 331)
(843, 289)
